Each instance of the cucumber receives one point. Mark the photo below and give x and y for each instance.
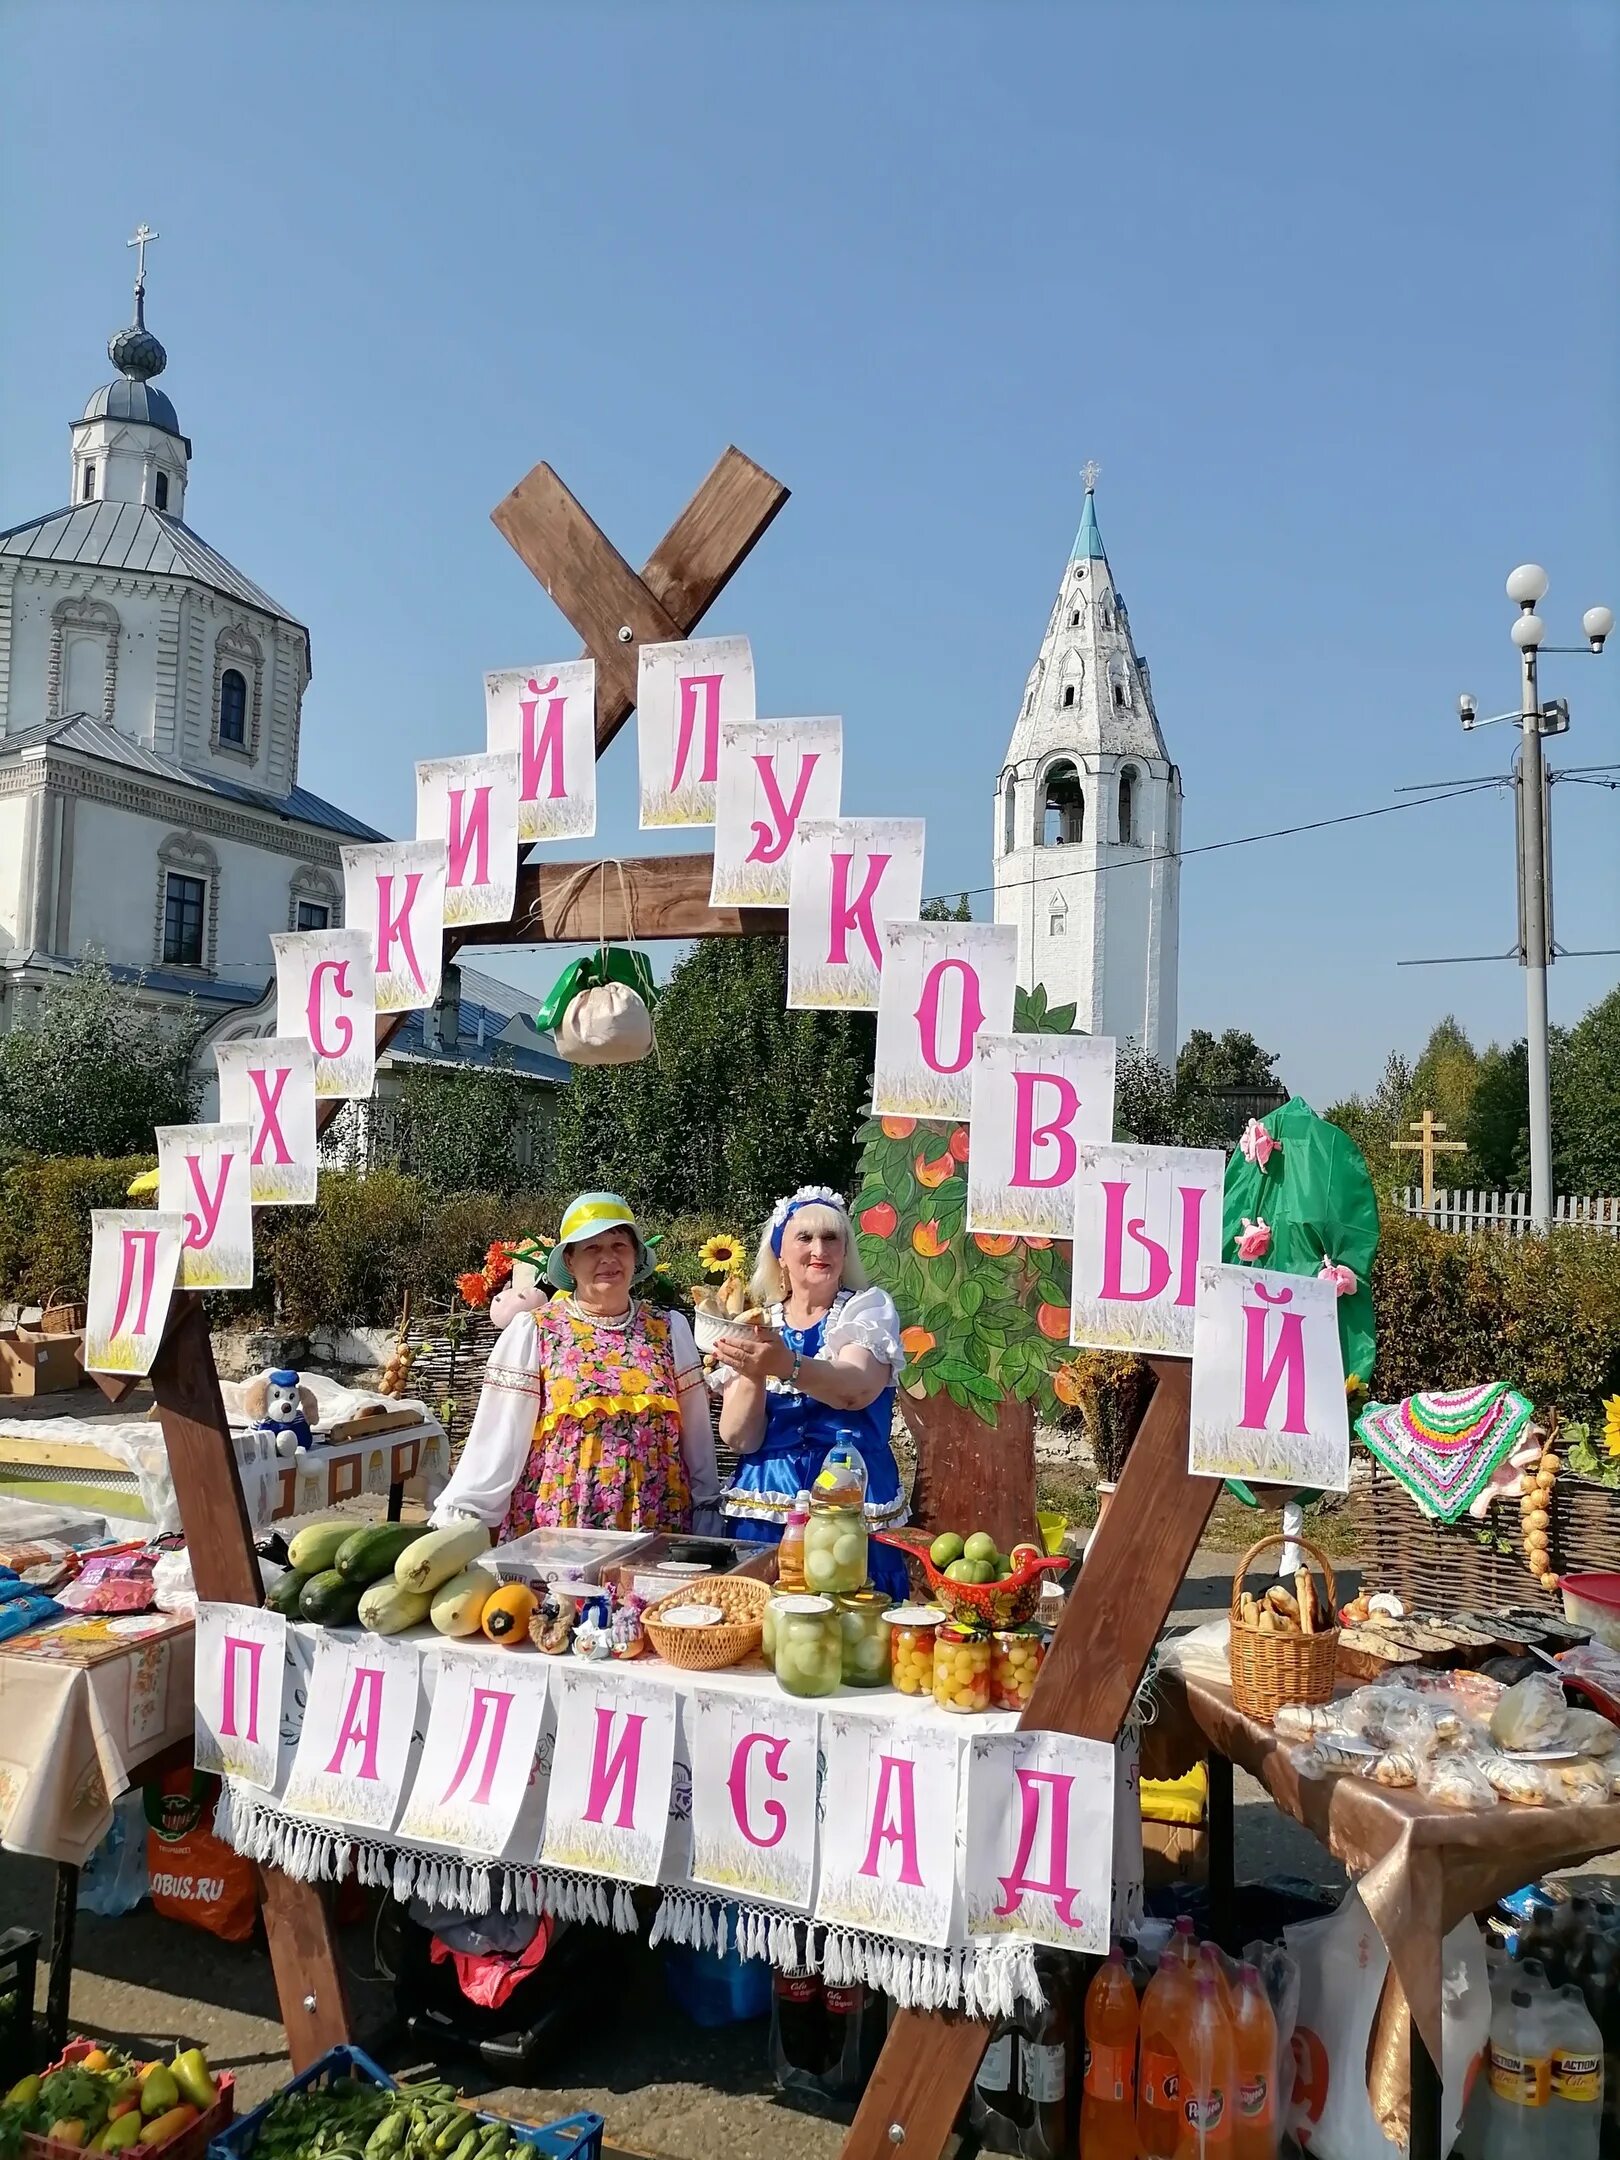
(326, 1597)
(386, 1609)
(369, 1554)
(315, 1548)
(282, 1596)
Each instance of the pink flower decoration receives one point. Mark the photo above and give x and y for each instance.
(1257, 1145)
(1341, 1277)
(1254, 1239)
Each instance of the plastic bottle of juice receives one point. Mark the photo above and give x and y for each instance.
(790, 1553)
(1516, 2123)
(1576, 2113)
(1108, 2104)
(1254, 2030)
(1211, 1961)
(1166, 2014)
(1208, 2077)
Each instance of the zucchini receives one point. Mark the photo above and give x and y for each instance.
(326, 1597)
(369, 1554)
(433, 1559)
(386, 1609)
(315, 1548)
(458, 1605)
(282, 1596)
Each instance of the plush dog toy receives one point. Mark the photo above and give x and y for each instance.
(282, 1407)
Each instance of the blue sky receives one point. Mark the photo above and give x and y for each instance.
(1330, 292)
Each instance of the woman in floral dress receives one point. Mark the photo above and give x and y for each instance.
(593, 1413)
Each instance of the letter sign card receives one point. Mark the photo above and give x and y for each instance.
(847, 875)
(888, 1846)
(134, 1261)
(471, 804)
(772, 773)
(358, 1724)
(269, 1085)
(607, 1811)
(942, 983)
(683, 693)
(546, 716)
(326, 992)
(1268, 1380)
(483, 1732)
(203, 1176)
(753, 1796)
(1144, 1219)
(1036, 1098)
(1040, 1838)
(241, 1668)
(395, 894)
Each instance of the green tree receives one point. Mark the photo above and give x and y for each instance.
(1585, 1087)
(941, 910)
(462, 1130)
(1443, 1080)
(1498, 1131)
(740, 1102)
(1374, 1121)
(97, 1069)
(1229, 1060)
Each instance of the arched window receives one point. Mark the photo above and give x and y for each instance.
(1127, 805)
(87, 489)
(1068, 693)
(1074, 620)
(233, 707)
(1121, 696)
(1009, 815)
(1064, 818)
(162, 491)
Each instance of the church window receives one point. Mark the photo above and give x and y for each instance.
(1009, 816)
(1068, 693)
(162, 491)
(233, 707)
(1127, 805)
(1121, 696)
(87, 490)
(1064, 820)
(185, 901)
(1108, 616)
(313, 915)
(1074, 620)
(1057, 920)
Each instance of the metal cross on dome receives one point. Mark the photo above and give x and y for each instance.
(1090, 473)
(138, 239)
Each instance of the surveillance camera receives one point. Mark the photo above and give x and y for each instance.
(1467, 710)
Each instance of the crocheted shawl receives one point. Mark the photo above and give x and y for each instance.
(1445, 1447)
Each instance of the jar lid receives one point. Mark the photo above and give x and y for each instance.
(683, 1567)
(803, 1606)
(914, 1616)
(1027, 1633)
(867, 1600)
(958, 1633)
(692, 1616)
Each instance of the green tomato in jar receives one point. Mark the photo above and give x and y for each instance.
(819, 1567)
(848, 1552)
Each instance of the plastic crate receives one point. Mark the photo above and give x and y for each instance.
(192, 2143)
(573, 2137)
(19, 1962)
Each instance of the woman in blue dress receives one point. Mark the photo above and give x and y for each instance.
(821, 1376)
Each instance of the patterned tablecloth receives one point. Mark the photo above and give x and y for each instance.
(83, 1703)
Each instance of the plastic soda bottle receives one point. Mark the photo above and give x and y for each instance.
(1208, 2077)
(1521, 2080)
(1108, 2102)
(1254, 2031)
(1166, 2014)
(1576, 2078)
(1211, 1961)
(790, 1552)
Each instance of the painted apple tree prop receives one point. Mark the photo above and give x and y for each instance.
(985, 1320)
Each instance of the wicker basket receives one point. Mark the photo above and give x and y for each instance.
(707, 1649)
(62, 1316)
(1270, 1670)
(1447, 1568)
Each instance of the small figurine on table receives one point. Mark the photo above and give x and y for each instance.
(282, 1408)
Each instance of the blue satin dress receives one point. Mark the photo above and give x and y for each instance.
(798, 1433)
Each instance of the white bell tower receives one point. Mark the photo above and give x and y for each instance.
(1088, 817)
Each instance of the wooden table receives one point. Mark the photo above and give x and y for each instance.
(1420, 1869)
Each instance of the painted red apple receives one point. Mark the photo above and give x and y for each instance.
(1053, 1322)
(880, 1221)
(959, 1143)
(933, 1174)
(996, 1247)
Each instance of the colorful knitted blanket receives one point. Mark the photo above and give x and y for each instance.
(1446, 1448)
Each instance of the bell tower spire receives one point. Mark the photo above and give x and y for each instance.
(1088, 815)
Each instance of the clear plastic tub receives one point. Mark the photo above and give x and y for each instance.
(546, 1555)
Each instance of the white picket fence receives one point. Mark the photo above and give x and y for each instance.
(1510, 1211)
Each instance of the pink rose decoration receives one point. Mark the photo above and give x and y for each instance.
(1257, 1145)
(1342, 1278)
(1254, 1239)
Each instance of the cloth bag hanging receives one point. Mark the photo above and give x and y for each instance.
(600, 1007)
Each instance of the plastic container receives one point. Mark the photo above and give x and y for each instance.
(835, 1535)
(807, 1655)
(864, 1638)
(715, 1987)
(188, 2144)
(912, 1629)
(1108, 2102)
(551, 1555)
(1593, 1601)
(1518, 2112)
(962, 1669)
(1017, 1656)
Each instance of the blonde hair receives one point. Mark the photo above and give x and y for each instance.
(768, 1283)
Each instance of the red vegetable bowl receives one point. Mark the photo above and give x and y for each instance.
(1005, 1604)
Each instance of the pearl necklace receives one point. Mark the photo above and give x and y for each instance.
(615, 1322)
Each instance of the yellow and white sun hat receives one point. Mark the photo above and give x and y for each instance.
(588, 1217)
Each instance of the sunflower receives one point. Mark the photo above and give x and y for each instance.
(724, 1254)
(1611, 1426)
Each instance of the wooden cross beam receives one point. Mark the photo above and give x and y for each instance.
(1429, 1146)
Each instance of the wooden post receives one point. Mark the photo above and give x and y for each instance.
(1132, 1570)
(1428, 1146)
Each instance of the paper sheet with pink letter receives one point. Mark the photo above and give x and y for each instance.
(847, 876)
(1268, 1401)
(326, 992)
(359, 1722)
(134, 1264)
(1036, 1100)
(241, 1671)
(888, 1846)
(1144, 1220)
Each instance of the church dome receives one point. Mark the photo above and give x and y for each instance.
(131, 399)
(135, 350)
(138, 355)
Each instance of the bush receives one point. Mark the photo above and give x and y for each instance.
(96, 1070)
(45, 1205)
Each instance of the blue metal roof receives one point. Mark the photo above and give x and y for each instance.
(164, 980)
(130, 399)
(1088, 545)
(85, 737)
(133, 536)
(531, 1056)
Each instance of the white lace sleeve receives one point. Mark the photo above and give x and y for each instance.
(867, 1321)
(697, 1427)
(502, 1430)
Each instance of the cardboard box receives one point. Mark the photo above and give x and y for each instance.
(35, 1364)
(1174, 1853)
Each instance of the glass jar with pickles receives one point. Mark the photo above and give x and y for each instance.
(962, 1662)
(912, 1629)
(1017, 1655)
(807, 1648)
(864, 1638)
(835, 1535)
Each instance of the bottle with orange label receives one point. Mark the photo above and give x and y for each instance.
(1519, 2116)
(1254, 2030)
(1108, 2099)
(1166, 2010)
(1208, 2058)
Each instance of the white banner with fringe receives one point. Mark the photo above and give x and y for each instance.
(874, 1878)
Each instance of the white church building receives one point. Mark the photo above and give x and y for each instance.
(150, 699)
(1088, 817)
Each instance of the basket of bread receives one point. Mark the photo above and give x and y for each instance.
(1285, 1644)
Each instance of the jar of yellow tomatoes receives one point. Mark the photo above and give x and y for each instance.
(1017, 1655)
(962, 1669)
(912, 1629)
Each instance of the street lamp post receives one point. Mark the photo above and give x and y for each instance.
(1527, 586)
